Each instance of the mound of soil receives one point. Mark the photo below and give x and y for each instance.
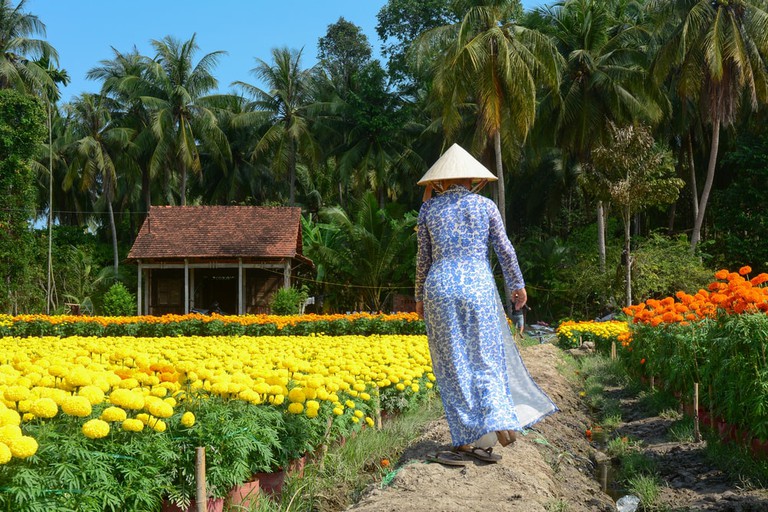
(548, 465)
(552, 466)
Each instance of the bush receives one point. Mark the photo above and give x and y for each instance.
(118, 301)
(287, 301)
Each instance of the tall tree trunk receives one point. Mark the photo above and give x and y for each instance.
(694, 188)
(183, 185)
(292, 173)
(601, 235)
(500, 174)
(628, 255)
(49, 289)
(114, 237)
(145, 191)
(696, 235)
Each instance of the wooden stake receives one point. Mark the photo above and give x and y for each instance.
(200, 497)
(653, 382)
(696, 432)
(377, 410)
(613, 350)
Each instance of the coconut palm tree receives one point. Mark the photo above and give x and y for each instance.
(284, 108)
(603, 81)
(492, 65)
(717, 51)
(174, 89)
(19, 51)
(98, 147)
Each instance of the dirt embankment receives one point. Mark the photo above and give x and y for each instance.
(551, 469)
(547, 469)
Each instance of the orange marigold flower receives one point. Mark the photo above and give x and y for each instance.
(746, 269)
(759, 279)
(721, 274)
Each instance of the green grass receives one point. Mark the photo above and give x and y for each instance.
(735, 459)
(681, 431)
(559, 505)
(349, 469)
(648, 489)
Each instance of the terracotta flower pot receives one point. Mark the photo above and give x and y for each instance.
(245, 495)
(296, 466)
(271, 483)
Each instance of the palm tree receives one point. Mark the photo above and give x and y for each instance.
(99, 146)
(19, 51)
(717, 52)
(603, 80)
(173, 88)
(284, 107)
(495, 65)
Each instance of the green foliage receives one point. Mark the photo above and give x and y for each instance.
(118, 301)
(22, 127)
(287, 301)
(740, 220)
(663, 265)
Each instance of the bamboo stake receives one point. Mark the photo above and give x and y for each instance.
(613, 350)
(200, 498)
(377, 410)
(696, 432)
(653, 382)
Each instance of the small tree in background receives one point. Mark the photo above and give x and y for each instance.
(287, 301)
(118, 301)
(634, 173)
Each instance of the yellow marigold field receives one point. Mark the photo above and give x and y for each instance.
(569, 332)
(134, 379)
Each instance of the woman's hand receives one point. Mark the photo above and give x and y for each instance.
(520, 297)
(420, 309)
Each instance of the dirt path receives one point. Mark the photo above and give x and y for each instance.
(550, 468)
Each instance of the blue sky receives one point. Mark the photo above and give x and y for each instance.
(84, 31)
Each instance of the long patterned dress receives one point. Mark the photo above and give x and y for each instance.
(483, 382)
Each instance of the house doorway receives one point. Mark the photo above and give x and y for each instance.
(216, 286)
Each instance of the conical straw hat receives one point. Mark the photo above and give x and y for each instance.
(456, 163)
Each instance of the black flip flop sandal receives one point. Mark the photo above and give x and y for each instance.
(482, 454)
(448, 458)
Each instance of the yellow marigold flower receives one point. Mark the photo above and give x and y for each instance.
(159, 391)
(312, 404)
(44, 408)
(159, 426)
(143, 417)
(338, 411)
(429, 385)
(76, 406)
(188, 419)
(160, 409)
(296, 408)
(9, 432)
(78, 377)
(365, 396)
(415, 388)
(113, 414)
(95, 429)
(16, 393)
(5, 453)
(350, 404)
(93, 393)
(359, 414)
(355, 419)
(133, 425)
(9, 417)
(400, 386)
(296, 395)
(369, 421)
(277, 399)
(23, 447)
(359, 387)
(311, 413)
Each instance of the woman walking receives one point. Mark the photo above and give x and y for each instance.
(484, 385)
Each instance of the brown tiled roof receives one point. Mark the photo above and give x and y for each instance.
(172, 232)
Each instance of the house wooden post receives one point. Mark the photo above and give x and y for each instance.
(287, 274)
(240, 286)
(139, 290)
(192, 304)
(186, 286)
